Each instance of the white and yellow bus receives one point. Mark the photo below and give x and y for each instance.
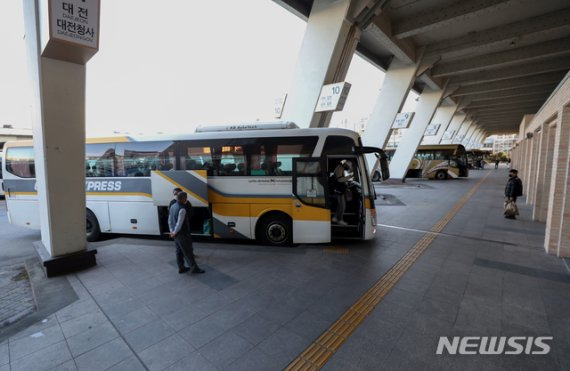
(249, 181)
(437, 161)
(1, 178)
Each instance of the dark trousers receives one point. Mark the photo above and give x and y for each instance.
(184, 250)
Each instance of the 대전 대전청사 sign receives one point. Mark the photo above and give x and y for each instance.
(75, 21)
(333, 97)
(402, 120)
(432, 130)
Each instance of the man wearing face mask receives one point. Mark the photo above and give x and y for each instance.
(513, 189)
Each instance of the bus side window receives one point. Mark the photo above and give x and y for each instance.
(20, 162)
(138, 159)
(100, 160)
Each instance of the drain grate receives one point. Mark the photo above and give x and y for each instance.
(16, 297)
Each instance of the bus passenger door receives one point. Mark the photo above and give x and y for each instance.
(311, 210)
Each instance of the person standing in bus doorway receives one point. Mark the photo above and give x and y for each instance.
(179, 225)
(339, 182)
(513, 189)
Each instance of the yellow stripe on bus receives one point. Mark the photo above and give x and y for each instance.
(107, 140)
(22, 193)
(175, 183)
(119, 194)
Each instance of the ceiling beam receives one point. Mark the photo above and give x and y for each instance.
(538, 98)
(503, 35)
(529, 69)
(546, 90)
(531, 107)
(381, 30)
(443, 16)
(520, 82)
(502, 116)
(537, 52)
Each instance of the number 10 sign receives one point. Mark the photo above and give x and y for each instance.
(333, 97)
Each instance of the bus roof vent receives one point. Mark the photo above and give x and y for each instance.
(248, 126)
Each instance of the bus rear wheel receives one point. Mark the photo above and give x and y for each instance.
(93, 230)
(441, 175)
(275, 230)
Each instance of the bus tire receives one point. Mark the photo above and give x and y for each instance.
(93, 231)
(275, 229)
(441, 175)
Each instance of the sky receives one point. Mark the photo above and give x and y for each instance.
(172, 67)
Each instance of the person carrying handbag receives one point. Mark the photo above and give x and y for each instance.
(513, 190)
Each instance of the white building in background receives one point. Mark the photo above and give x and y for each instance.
(500, 143)
(7, 133)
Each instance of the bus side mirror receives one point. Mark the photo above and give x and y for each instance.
(384, 166)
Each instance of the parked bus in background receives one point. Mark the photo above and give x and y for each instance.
(437, 161)
(1, 178)
(249, 181)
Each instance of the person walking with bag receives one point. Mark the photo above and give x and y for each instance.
(513, 189)
(179, 225)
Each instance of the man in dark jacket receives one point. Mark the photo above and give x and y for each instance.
(179, 225)
(513, 189)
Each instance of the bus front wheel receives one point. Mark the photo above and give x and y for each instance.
(93, 230)
(276, 230)
(441, 175)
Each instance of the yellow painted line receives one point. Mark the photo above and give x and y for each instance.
(325, 346)
(336, 250)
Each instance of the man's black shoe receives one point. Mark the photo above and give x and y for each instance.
(183, 270)
(198, 270)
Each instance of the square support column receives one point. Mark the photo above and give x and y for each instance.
(398, 81)
(460, 135)
(562, 172)
(558, 184)
(453, 127)
(533, 167)
(443, 116)
(58, 109)
(326, 52)
(544, 172)
(429, 100)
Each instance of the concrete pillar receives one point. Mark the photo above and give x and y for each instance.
(460, 135)
(443, 116)
(398, 81)
(429, 100)
(469, 135)
(456, 122)
(562, 173)
(325, 55)
(532, 173)
(58, 105)
(558, 184)
(544, 172)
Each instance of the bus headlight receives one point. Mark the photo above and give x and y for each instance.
(373, 217)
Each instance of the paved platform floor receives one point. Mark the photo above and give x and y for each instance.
(258, 308)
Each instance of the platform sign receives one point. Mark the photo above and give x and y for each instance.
(402, 120)
(73, 30)
(333, 97)
(448, 135)
(432, 130)
(278, 106)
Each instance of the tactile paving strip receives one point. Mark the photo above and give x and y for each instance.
(322, 349)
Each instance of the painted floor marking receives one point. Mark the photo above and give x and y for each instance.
(326, 345)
